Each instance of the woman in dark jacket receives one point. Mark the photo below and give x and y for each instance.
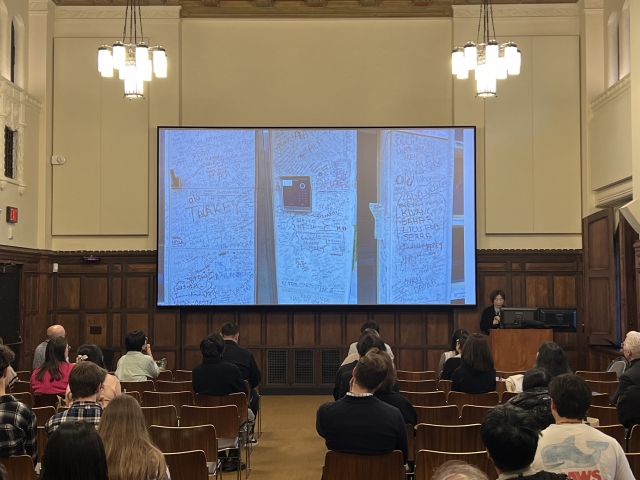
(491, 315)
(535, 396)
(476, 373)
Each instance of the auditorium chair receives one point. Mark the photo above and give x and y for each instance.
(606, 415)
(473, 414)
(226, 421)
(47, 400)
(341, 466)
(24, 397)
(425, 399)
(602, 387)
(598, 376)
(24, 375)
(165, 416)
(448, 438)
(617, 432)
(444, 415)
(634, 463)
(501, 387)
(184, 439)
(427, 461)
(406, 375)
(460, 399)
(19, 468)
(43, 414)
(140, 387)
(600, 399)
(165, 375)
(506, 396)
(182, 376)
(417, 385)
(187, 465)
(135, 395)
(411, 442)
(633, 446)
(445, 386)
(258, 420)
(21, 387)
(160, 399)
(164, 386)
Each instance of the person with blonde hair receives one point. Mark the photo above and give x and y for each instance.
(631, 377)
(458, 470)
(131, 455)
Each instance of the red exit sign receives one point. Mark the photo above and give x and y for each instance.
(12, 215)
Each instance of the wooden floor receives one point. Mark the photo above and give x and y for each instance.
(289, 446)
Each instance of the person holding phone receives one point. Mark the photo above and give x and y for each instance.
(137, 364)
(491, 315)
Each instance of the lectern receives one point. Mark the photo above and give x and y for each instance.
(514, 350)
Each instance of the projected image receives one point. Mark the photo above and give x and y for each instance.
(322, 216)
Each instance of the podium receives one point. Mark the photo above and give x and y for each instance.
(514, 350)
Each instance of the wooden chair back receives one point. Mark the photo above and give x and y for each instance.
(506, 396)
(225, 419)
(187, 465)
(140, 387)
(160, 399)
(406, 375)
(460, 399)
(417, 385)
(448, 438)
(20, 467)
(501, 387)
(425, 399)
(46, 400)
(603, 387)
(135, 395)
(505, 375)
(24, 397)
(445, 386)
(617, 432)
(184, 439)
(634, 463)
(238, 399)
(164, 386)
(633, 446)
(21, 387)
(427, 461)
(42, 443)
(165, 416)
(43, 414)
(182, 376)
(165, 376)
(606, 415)
(598, 376)
(340, 466)
(600, 399)
(473, 414)
(24, 375)
(444, 415)
(411, 442)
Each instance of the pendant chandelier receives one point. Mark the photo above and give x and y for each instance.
(490, 60)
(131, 57)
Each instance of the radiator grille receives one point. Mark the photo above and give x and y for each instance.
(331, 360)
(303, 368)
(276, 366)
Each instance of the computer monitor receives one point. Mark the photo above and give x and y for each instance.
(560, 319)
(518, 317)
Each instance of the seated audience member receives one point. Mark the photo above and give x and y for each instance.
(631, 376)
(369, 324)
(137, 364)
(368, 339)
(551, 357)
(359, 423)
(510, 436)
(111, 385)
(386, 393)
(85, 382)
(75, 452)
(573, 447)
(475, 373)
(244, 360)
(535, 398)
(53, 376)
(452, 364)
(453, 352)
(458, 470)
(18, 424)
(130, 452)
(12, 377)
(54, 331)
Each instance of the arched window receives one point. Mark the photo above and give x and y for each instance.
(613, 63)
(625, 41)
(16, 55)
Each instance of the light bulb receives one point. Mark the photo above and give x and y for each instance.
(160, 62)
(119, 55)
(107, 69)
(142, 53)
(492, 52)
(514, 66)
(457, 61)
(103, 55)
(510, 51)
(471, 55)
(501, 69)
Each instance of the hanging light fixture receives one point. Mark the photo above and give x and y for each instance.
(131, 57)
(490, 60)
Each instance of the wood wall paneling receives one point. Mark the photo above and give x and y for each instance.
(137, 292)
(412, 331)
(564, 291)
(95, 293)
(331, 328)
(68, 289)
(277, 329)
(250, 328)
(537, 288)
(303, 328)
(95, 328)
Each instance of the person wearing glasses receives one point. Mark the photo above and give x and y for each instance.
(137, 364)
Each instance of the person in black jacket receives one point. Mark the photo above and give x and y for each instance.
(387, 394)
(359, 423)
(510, 436)
(535, 397)
(491, 315)
(368, 339)
(631, 376)
(244, 360)
(476, 373)
(452, 364)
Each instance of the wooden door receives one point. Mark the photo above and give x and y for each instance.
(599, 282)
(627, 236)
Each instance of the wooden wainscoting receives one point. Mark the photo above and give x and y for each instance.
(298, 348)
